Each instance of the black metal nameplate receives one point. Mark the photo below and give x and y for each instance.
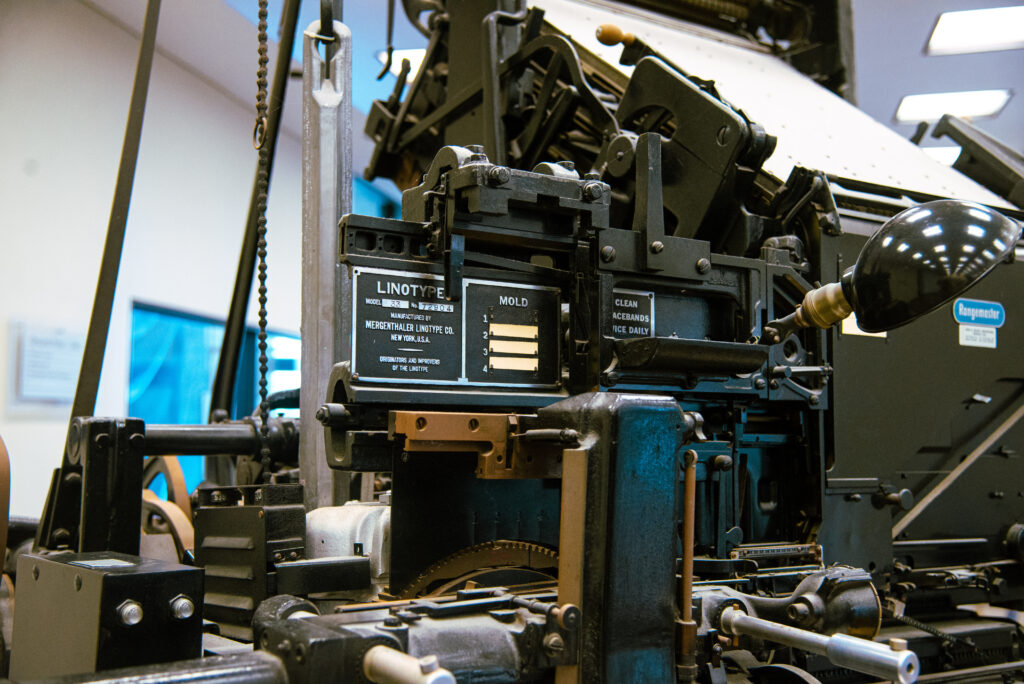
(404, 328)
(632, 314)
(405, 331)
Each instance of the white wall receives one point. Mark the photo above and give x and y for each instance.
(66, 73)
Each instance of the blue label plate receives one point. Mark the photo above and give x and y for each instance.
(979, 312)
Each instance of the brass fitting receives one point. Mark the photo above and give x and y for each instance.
(822, 307)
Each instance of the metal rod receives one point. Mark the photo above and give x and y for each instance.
(945, 483)
(842, 649)
(258, 667)
(96, 340)
(390, 666)
(917, 543)
(234, 329)
(970, 672)
(218, 438)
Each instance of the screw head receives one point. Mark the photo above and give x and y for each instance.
(78, 583)
(607, 253)
(760, 383)
(592, 191)
(129, 613)
(703, 265)
(182, 607)
(657, 246)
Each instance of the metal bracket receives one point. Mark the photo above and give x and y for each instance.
(489, 435)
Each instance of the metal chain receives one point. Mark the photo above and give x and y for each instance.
(262, 182)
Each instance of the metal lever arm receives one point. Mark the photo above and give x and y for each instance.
(842, 649)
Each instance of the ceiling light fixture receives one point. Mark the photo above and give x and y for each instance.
(944, 154)
(414, 55)
(966, 104)
(984, 30)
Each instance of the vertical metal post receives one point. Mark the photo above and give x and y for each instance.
(326, 197)
(234, 328)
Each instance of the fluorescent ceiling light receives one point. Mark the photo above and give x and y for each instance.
(984, 30)
(967, 103)
(944, 154)
(414, 55)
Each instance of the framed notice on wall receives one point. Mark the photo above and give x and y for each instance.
(44, 365)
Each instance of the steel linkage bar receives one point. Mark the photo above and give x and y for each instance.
(234, 329)
(96, 341)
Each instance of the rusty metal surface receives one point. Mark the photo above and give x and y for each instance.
(441, 577)
(177, 489)
(489, 435)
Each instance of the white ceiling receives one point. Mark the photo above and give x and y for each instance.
(213, 40)
(890, 61)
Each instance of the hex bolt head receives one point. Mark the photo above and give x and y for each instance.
(499, 175)
(477, 154)
(798, 612)
(607, 253)
(129, 613)
(592, 191)
(554, 644)
(182, 607)
(657, 246)
(703, 265)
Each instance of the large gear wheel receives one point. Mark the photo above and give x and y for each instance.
(496, 563)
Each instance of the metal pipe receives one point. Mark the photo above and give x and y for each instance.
(258, 667)
(689, 525)
(386, 665)
(219, 438)
(842, 649)
(687, 658)
(234, 329)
